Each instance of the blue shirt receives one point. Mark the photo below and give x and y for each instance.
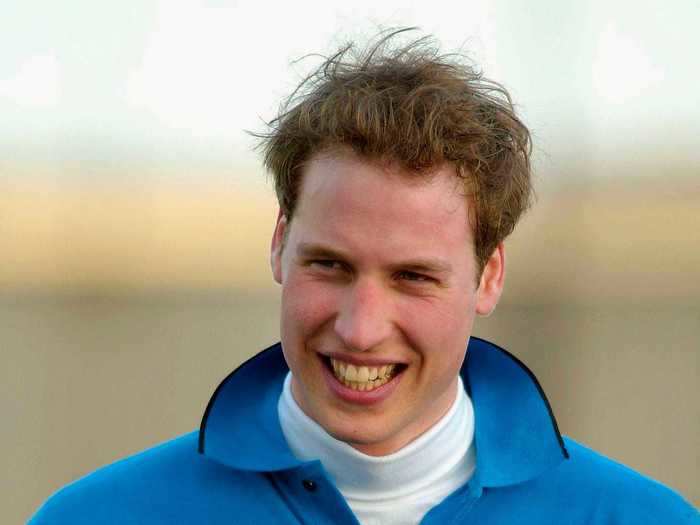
(238, 469)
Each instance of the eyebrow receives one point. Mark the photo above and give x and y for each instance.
(419, 265)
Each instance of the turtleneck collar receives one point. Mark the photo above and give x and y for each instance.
(441, 457)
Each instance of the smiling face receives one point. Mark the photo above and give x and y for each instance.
(379, 295)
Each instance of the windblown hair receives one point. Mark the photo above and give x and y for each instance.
(414, 106)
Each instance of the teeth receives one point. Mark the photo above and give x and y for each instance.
(362, 378)
(351, 373)
(362, 374)
(370, 385)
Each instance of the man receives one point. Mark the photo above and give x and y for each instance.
(399, 174)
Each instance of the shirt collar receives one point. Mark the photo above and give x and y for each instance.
(516, 435)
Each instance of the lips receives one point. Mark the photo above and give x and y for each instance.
(363, 378)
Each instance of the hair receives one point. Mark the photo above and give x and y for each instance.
(414, 106)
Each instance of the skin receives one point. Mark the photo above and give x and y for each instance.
(378, 265)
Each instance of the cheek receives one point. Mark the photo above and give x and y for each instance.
(439, 335)
(305, 305)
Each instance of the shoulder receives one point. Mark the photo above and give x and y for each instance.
(170, 482)
(588, 488)
(618, 493)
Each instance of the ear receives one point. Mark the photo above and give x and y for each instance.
(491, 283)
(277, 245)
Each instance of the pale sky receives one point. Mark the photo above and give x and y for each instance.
(149, 78)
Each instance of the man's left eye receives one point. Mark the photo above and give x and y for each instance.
(413, 276)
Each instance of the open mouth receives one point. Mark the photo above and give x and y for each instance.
(362, 378)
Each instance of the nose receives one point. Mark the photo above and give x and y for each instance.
(364, 317)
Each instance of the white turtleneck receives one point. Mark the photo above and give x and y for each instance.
(399, 488)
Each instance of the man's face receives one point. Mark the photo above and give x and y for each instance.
(379, 296)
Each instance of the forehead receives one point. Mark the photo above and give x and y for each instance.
(344, 197)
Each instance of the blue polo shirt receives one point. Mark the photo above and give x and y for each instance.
(238, 469)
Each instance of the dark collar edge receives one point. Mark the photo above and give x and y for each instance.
(540, 390)
(219, 389)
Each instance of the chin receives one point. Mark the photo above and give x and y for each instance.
(368, 437)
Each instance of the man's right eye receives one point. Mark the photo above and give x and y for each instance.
(327, 264)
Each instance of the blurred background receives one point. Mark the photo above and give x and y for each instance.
(135, 217)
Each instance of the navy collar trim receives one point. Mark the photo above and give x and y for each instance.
(517, 437)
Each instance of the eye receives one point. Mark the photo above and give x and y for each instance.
(414, 277)
(326, 264)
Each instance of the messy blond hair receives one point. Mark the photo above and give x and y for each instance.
(412, 105)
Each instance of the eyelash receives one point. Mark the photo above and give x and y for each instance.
(331, 265)
(328, 264)
(415, 277)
